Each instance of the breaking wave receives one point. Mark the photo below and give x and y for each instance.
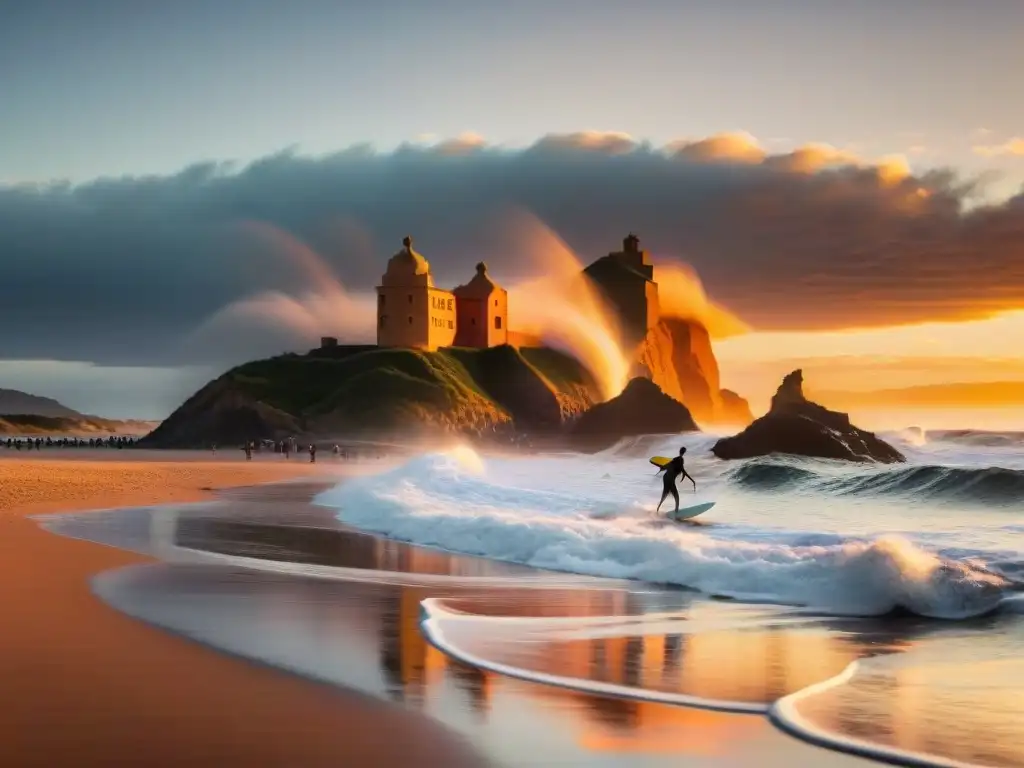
(977, 437)
(982, 485)
(552, 513)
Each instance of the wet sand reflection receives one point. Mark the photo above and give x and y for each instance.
(366, 636)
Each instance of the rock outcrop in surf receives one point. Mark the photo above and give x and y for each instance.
(797, 426)
(642, 409)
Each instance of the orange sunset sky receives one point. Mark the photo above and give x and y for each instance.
(973, 351)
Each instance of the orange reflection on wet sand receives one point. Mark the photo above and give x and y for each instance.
(955, 707)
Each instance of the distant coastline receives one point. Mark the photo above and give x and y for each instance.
(963, 395)
(26, 415)
(35, 425)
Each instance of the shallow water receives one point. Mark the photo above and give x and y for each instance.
(346, 609)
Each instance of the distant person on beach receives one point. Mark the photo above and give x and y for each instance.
(673, 471)
(312, 453)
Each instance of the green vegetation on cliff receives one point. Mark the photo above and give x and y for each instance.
(360, 390)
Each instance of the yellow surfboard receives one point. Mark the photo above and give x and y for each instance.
(660, 461)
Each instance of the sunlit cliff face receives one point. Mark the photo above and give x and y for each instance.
(562, 307)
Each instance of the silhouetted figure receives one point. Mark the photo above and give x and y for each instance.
(312, 453)
(673, 471)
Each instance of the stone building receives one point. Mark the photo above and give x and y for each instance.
(626, 278)
(413, 312)
(481, 308)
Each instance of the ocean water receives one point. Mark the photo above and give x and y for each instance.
(941, 536)
(871, 610)
(791, 542)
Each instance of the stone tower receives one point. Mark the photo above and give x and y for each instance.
(411, 312)
(482, 312)
(626, 280)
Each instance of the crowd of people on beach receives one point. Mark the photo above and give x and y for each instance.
(283, 447)
(38, 443)
(291, 446)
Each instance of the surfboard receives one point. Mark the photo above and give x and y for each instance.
(660, 461)
(688, 513)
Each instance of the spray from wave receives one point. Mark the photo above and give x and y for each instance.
(274, 321)
(528, 511)
(561, 307)
(681, 295)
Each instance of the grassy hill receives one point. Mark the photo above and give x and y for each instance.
(349, 391)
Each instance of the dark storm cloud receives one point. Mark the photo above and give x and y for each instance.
(120, 270)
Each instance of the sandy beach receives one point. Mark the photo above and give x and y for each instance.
(86, 685)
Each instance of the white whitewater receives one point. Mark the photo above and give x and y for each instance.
(593, 515)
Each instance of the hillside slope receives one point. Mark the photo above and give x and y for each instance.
(18, 403)
(22, 424)
(354, 391)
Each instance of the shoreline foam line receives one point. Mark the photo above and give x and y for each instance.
(784, 715)
(435, 636)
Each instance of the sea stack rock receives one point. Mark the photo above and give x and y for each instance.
(642, 409)
(797, 426)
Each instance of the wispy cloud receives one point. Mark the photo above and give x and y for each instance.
(1014, 146)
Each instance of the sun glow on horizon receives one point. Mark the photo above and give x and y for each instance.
(990, 337)
(953, 354)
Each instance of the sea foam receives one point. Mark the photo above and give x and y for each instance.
(585, 515)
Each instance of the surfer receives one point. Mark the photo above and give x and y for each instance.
(673, 471)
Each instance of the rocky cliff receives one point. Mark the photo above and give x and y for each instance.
(642, 409)
(797, 426)
(677, 356)
(353, 391)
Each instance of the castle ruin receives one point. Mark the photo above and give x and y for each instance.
(413, 312)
